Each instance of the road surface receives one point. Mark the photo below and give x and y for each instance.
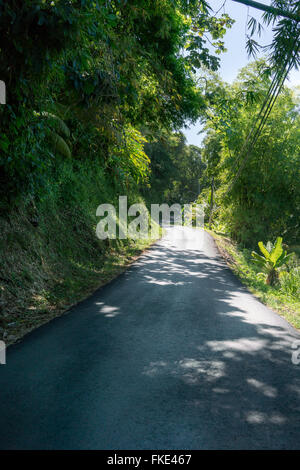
(173, 354)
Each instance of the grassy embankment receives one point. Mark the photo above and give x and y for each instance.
(283, 298)
(50, 257)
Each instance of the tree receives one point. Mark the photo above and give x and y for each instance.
(102, 67)
(176, 169)
(264, 200)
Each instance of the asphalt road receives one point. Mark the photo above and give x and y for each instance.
(173, 354)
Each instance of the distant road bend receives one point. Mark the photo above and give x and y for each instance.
(173, 354)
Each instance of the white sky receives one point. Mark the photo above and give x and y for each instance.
(236, 56)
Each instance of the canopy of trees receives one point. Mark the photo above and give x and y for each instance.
(84, 77)
(112, 82)
(263, 200)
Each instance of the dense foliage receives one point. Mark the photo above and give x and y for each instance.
(105, 69)
(98, 92)
(176, 169)
(263, 200)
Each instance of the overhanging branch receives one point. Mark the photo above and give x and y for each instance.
(270, 9)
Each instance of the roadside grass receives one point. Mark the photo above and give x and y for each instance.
(42, 281)
(282, 298)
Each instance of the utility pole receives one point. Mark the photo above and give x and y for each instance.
(211, 203)
(270, 9)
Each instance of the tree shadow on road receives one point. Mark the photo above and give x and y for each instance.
(175, 353)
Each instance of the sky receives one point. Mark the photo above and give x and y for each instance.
(236, 56)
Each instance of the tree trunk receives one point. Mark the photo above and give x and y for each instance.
(272, 277)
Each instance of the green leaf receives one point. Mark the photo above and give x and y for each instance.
(277, 250)
(284, 258)
(55, 121)
(258, 258)
(264, 250)
(60, 145)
